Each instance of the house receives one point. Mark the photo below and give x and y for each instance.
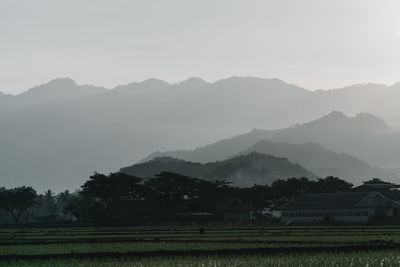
(346, 207)
(389, 190)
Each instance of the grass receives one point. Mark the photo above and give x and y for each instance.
(382, 258)
(185, 246)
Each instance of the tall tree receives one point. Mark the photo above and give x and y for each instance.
(332, 184)
(46, 207)
(17, 201)
(115, 186)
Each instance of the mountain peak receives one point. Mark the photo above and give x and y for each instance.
(193, 82)
(254, 88)
(335, 115)
(167, 160)
(370, 120)
(63, 81)
(56, 89)
(363, 122)
(155, 82)
(251, 79)
(144, 86)
(51, 88)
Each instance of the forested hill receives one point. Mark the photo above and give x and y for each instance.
(243, 170)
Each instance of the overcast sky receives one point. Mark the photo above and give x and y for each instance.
(314, 44)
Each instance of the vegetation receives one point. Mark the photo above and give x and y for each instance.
(383, 258)
(93, 226)
(242, 170)
(186, 246)
(17, 202)
(121, 199)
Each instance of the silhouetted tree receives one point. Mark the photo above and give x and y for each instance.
(17, 201)
(287, 189)
(64, 199)
(79, 207)
(115, 186)
(332, 184)
(110, 199)
(172, 187)
(168, 186)
(106, 196)
(46, 207)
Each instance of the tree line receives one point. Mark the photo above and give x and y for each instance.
(120, 198)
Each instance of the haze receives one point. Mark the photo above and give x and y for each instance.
(314, 44)
(227, 89)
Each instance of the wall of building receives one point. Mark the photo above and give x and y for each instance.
(276, 214)
(310, 216)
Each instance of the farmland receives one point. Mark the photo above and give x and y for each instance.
(187, 246)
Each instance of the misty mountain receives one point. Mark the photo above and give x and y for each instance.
(57, 134)
(243, 170)
(56, 89)
(147, 86)
(354, 135)
(61, 142)
(377, 99)
(333, 124)
(323, 162)
(364, 136)
(220, 150)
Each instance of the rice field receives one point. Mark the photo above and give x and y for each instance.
(188, 246)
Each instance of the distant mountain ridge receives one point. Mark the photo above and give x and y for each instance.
(149, 84)
(323, 162)
(362, 122)
(57, 134)
(333, 123)
(300, 145)
(244, 170)
(59, 88)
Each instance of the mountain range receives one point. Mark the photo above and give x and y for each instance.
(299, 144)
(60, 88)
(57, 134)
(243, 170)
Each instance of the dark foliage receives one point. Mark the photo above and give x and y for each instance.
(120, 198)
(17, 201)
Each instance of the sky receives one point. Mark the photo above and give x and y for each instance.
(317, 44)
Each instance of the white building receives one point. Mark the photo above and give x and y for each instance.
(351, 207)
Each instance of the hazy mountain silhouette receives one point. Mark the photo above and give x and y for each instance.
(373, 98)
(142, 87)
(56, 89)
(364, 136)
(193, 83)
(353, 135)
(57, 134)
(323, 162)
(363, 123)
(243, 170)
(220, 150)
(335, 123)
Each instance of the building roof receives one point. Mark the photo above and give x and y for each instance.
(375, 185)
(377, 181)
(340, 200)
